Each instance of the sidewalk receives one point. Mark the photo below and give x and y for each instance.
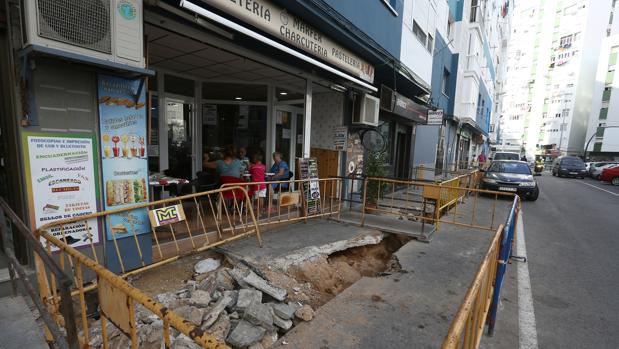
(412, 308)
(18, 325)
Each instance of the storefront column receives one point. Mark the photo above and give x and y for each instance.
(163, 127)
(307, 118)
(271, 125)
(197, 129)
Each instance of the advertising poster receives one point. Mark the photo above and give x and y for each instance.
(122, 120)
(340, 138)
(62, 180)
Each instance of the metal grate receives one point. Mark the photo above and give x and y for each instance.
(84, 23)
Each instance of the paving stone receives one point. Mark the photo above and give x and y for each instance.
(246, 297)
(190, 313)
(305, 313)
(261, 284)
(282, 310)
(208, 284)
(200, 298)
(259, 314)
(238, 275)
(255, 346)
(225, 282)
(213, 312)
(245, 334)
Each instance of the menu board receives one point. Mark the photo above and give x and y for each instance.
(122, 120)
(308, 169)
(62, 182)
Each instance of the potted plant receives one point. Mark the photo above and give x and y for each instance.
(374, 166)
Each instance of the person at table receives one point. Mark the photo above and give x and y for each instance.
(242, 156)
(229, 166)
(280, 169)
(257, 171)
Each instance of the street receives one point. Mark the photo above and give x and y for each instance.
(572, 235)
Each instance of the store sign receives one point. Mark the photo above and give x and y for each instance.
(62, 182)
(289, 28)
(435, 117)
(166, 215)
(407, 108)
(308, 171)
(340, 138)
(122, 120)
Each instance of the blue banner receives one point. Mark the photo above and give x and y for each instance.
(122, 121)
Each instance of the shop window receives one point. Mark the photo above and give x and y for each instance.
(237, 124)
(153, 133)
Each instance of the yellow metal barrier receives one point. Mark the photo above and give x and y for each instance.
(198, 231)
(468, 325)
(431, 203)
(289, 204)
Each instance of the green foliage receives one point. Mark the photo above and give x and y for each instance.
(375, 166)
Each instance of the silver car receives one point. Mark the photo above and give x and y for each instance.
(595, 170)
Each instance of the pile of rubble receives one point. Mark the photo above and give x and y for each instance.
(237, 306)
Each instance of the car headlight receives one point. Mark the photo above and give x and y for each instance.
(527, 184)
(489, 180)
(563, 169)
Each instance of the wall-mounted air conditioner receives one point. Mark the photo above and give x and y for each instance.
(110, 30)
(365, 110)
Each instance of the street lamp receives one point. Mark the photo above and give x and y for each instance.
(591, 138)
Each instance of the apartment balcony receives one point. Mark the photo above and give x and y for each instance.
(473, 66)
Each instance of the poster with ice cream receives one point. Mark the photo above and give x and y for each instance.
(122, 120)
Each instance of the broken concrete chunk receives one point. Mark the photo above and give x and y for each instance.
(234, 296)
(191, 314)
(269, 339)
(209, 284)
(184, 342)
(245, 334)
(246, 297)
(305, 313)
(259, 314)
(224, 280)
(255, 346)
(221, 327)
(206, 265)
(264, 286)
(281, 323)
(282, 310)
(213, 313)
(151, 336)
(200, 298)
(234, 315)
(238, 275)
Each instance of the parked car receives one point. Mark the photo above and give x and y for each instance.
(511, 176)
(596, 171)
(588, 165)
(611, 175)
(569, 166)
(501, 155)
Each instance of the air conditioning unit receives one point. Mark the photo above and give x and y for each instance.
(365, 110)
(110, 30)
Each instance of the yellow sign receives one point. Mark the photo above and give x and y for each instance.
(166, 215)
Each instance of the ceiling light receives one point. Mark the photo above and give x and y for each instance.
(238, 98)
(283, 93)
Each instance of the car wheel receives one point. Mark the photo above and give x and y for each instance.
(553, 173)
(615, 181)
(535, 195)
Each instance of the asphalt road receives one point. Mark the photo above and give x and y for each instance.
(572, 243)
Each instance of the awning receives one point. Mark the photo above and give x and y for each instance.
(403, 106)
(472, 125)
(246, 31)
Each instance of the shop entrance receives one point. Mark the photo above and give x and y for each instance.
(289, 133)
(179, 122)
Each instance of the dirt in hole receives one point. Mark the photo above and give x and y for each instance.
(329, 276)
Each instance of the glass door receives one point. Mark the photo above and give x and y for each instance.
(179, 121)
(284, 134)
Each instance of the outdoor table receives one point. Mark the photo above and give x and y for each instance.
(159, 180)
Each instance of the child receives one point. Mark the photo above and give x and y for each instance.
(257, 171)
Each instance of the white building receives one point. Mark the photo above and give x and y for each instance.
(603, 143)
(553, 57)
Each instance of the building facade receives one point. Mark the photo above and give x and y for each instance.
(553, 57)
(602, 140)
